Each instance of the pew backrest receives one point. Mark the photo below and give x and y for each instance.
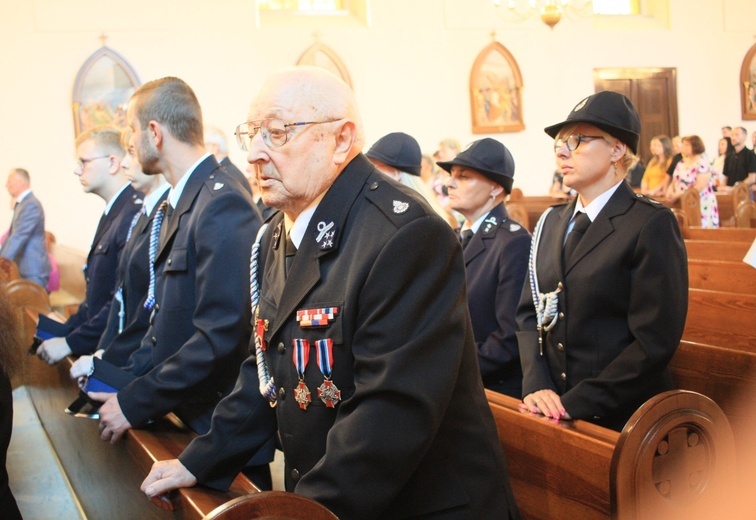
(716, 318)
(721, 275)
(716, 250)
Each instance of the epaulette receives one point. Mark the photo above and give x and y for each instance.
(648, 200)
(394, 203)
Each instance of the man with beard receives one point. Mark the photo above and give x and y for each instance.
(201, 242)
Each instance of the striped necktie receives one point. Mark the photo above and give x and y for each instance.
(157, 223)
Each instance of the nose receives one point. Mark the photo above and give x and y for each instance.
(257, 149)
(451, 182)
(562, 151)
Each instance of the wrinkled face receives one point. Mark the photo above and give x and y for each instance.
(469, 190)
(145, 152)
(590, 162)
(15, 184)
(294, 174)
(97, 165)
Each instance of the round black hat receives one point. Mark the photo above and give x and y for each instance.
(488, 157)
(399, 151)
(611, 112)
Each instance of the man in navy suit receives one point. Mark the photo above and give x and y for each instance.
(199, 329)
(99, 170)
(25, 244)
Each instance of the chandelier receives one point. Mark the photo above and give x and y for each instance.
(550, 11)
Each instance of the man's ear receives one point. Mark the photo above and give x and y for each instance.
(155, 133)
(345, 138)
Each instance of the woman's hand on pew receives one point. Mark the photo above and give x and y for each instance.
(53, 350)
(546, 402)
(165, 476)
(113, 424)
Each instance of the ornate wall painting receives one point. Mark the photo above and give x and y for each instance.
(102, 90)
(748, 85)
(496, 92)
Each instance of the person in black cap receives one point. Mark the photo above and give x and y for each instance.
(496, 257)
(608, 277)
(398, 156)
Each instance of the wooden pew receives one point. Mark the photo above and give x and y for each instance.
(8, 270)
(72, 284)
(724, 374)
(716, 250)
(105, 478)
(532, 206)
(745, 214)
(575, 469)
(721, 275)
(721, 318)
(721, 234)
(272, 505)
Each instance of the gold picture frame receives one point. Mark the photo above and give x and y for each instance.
(102, 90)
(496, 91)
(748, 85)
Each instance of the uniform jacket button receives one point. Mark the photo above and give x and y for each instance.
(154, 340)
(560, 347)
(282, 394)
(170, 261)
(295, 475)
(561, 315)
(562, 375)
(157, 307)
(281, 347)
(560, 285)
(374, 186)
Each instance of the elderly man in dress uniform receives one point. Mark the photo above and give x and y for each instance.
(363, 338)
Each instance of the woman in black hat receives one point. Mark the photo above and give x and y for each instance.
(608, 276)
(496, 257)
(397, 155)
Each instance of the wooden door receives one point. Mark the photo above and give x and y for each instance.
(654, 94)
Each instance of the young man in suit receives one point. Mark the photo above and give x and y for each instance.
(25, 243)
(199, 328)
(100, 171)
(362, 323)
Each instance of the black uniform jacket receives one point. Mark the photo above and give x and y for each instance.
(496, 260)
(101, 273)
(134, 281)
(622, 307)
(413, 433)
(201, 325)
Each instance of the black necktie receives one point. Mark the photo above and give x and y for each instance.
(291, 251)
(578, 229)
(465, 237)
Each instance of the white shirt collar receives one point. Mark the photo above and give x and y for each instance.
(178, 189)
(151, 199)
(23, 195)
(296, 229)
(597, 204)
(114, 198)
(476, 224)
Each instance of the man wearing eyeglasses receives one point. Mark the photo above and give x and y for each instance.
(363, 340)
(199, 329)
(98, 167)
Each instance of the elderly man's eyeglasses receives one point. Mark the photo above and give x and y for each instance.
(80, 163)
(573, 141)
(275, 132)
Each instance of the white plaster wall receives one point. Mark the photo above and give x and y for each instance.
(410, 70)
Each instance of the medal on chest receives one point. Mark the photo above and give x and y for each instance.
(328, 392)
(301, 356)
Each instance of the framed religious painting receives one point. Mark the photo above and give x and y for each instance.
(748, 85)
(320, 55)
(496, 92)
(102, 90)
